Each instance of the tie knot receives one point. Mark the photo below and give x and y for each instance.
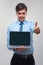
(21, 23)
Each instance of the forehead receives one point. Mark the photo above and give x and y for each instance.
(21, 11)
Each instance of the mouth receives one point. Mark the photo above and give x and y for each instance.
(21, 18)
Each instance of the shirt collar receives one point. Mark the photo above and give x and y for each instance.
(23, 22)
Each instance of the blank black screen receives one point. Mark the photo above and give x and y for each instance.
(19, 38)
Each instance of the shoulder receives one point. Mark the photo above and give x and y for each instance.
(12, 25)
(30, 22)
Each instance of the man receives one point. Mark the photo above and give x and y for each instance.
(22, 55)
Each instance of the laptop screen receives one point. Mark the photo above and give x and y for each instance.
(19, 38)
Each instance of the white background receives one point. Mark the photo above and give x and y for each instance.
(8, 16)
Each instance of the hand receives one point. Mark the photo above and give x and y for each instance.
(19, 49)
(36, 29)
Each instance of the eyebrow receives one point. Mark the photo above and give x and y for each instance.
(21, 13)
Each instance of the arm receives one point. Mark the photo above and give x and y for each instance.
(8, 37)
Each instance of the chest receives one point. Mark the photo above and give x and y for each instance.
(25, 28)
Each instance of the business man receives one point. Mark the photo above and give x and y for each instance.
(22, 55)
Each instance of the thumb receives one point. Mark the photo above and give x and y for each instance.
(36, 24)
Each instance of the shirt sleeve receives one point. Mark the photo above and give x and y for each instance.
(8, 37)
(32, 25)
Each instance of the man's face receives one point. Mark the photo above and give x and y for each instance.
(21, 14)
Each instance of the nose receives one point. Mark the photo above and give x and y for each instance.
(21, 15)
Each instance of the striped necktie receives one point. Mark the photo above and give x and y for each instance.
(21, 27)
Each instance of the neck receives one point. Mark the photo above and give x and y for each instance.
(21, 21)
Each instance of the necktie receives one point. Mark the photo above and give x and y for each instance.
(21, 26)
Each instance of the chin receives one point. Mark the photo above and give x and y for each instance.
(22, 20)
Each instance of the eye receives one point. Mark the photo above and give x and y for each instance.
(19, 13)
(23, 13)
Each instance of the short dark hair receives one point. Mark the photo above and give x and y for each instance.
(20, 6)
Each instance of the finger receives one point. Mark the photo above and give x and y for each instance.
(36, 24)
(37, 27)
(37, 30)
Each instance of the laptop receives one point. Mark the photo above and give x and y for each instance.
(19, 38)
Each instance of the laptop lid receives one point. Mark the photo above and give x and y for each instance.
(19, 38)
